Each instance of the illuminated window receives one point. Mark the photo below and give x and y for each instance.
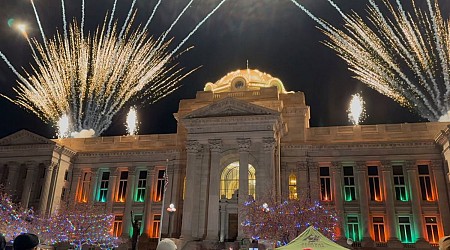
(117, 226)
(156, 225)
(374, 183)
(378, 229)
(160, 186)
(425, 183)
(349, 184)
(404, 225)
(122, 192)
(353, 228)
(325, 184)
(84, 189)
(399, 184)
(292, 187)
(142, 183)
(229, 182)
(103, 190)
(432, 229)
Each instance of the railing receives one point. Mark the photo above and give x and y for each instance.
(381, 244)
(408, 245)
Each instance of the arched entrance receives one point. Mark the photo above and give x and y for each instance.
(229, 186)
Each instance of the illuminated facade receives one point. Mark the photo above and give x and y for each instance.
(389, 182)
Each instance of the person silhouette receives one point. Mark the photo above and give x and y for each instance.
(136, 231)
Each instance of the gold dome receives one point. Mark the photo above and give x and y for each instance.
(245, 79)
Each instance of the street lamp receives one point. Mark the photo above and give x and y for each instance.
(171, 209)
(350, 242)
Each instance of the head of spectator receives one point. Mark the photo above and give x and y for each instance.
(26, 241)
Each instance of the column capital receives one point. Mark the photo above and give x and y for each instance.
(269, 143)
(215, 145)
(114, 171)
(13, 164)
(312, 165)
(436, 165)
(386, 166)
(244, 144)
(336, 167)
(302, 165)
(410, 165)
(192, 146)
(131, 170)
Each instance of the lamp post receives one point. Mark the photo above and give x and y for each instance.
(171, 209)
(350, 242)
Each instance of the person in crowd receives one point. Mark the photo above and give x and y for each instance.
(26, 241)
(2, 242)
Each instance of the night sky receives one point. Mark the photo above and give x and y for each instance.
(273, 35)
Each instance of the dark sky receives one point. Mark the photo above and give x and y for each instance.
(273, 35)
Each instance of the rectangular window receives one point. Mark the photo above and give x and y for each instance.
(405, 229)
(156, 224)
(425, 183)
(432, 229)
(136, 218)
(84, 189)
(160, 186)
(378, 229)
(117, 226)
(325, 184)
(142, 183)
(374, 183)
(63, 194)
(353, 228)
(122, 192)
(292, 187)
(349, 184)
(103, 189)
(399, 184)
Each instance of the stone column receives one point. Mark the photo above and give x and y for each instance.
(269, 183)
(361, 170)
(46, 188)
(148, 201)
(223, 221)
(338, 201)
(75, 183)
(114, 172)
(439, 176)
(189, 222)
(244, 146)
(389, 199)
(29, 183)
(13, 174)
(303, 181)
(215, 145)
(127, 220)
(411, 169)
(313, 175)
(94, 185)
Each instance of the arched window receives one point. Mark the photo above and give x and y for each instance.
(229, 181)
(292, 187)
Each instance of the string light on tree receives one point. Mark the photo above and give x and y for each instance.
(356, 109)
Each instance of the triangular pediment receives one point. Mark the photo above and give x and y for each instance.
(230, 107)
(24, 137)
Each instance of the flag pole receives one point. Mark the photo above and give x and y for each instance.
(166, 182)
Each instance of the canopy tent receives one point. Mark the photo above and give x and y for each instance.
(311, 239)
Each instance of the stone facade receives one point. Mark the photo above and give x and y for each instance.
(389, 182)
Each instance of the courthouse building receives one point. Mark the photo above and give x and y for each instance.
(244, 135)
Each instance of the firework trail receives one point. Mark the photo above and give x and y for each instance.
(84, 80)
(405, 56)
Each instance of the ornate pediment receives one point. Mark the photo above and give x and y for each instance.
(230, 107)
(24, 137)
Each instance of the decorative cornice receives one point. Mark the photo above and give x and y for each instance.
(302, 166)
(356, 145)
(410, 165)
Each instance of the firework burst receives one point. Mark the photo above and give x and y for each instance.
(90, 77)
(405, 56)
(356, 110)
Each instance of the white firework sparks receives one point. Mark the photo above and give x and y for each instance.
(402, 55)
(132, 122)
(356, 109)
(91, 77)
